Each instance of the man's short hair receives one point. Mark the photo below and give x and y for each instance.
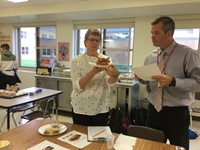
(5, 46)
(168, 23)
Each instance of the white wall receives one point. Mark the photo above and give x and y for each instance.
(64, 32)
(27, 78)
(142, 40)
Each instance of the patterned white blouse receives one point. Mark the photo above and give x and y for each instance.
(95, 98)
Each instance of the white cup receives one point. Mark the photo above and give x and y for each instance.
(110, 141)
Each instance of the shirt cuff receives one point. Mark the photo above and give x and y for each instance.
(78, 86)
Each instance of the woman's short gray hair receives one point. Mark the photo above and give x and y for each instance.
(92, 31)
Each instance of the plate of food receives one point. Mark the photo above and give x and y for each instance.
(101, 62)
(11, 94)
(52, 129)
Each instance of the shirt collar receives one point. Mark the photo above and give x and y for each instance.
(168, 49)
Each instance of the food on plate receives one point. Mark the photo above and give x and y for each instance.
(10, 94)
(6, 93)
(52, 130)
(55, 125)
(74, 137)
(103, 61)
(43, 73)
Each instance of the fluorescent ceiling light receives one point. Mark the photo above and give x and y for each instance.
(17, 1)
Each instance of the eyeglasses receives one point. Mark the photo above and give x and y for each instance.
(94, 40)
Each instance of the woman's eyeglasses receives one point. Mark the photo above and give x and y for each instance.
(94, 40)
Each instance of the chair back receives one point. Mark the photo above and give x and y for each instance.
(46, 110)
(146, 133)
(197, 96)
(47, 106)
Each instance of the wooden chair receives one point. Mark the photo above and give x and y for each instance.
(146, 133)
(45, 109)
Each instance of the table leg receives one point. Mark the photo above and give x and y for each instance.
(57, 99)
(8, 118)
(121, 100)
(133, 99)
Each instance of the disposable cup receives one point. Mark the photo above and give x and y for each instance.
(110, 141)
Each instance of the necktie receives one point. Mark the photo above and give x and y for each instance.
(159, 90)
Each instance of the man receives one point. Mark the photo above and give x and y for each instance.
(180, 78)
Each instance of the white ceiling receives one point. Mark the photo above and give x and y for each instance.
(7, 4)
(56, 10)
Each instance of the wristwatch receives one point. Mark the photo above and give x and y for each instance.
(173, 83)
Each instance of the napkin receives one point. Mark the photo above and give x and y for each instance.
(124, 142)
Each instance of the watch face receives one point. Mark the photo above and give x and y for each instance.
(173, 83)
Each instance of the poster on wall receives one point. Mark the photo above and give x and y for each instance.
(63, 51)
(5, 39)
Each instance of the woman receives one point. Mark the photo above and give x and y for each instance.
(7, 64)
(91, 91)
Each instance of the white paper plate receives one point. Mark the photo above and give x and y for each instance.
(62, 127)
(122, 146)
(99, 66)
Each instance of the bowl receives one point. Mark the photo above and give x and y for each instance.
(4, 144)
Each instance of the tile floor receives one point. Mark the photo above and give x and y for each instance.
(66, 117)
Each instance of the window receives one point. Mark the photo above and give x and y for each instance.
(37, 42)
(46, 53)
(25, 51)
(189, 37)
(116, 43)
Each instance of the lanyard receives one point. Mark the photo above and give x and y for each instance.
(165, 64)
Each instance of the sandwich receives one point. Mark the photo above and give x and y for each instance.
(103, 61)
(52, 130)
(74, 137)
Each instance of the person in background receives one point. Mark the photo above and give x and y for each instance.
(91, 85)
(7, 64)
(179, 80)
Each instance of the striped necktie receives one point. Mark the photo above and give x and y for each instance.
(159, 90)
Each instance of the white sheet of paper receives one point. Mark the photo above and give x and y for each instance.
(98, 131)
(124, 142)
(81, 142)
(147, 71)
(47, 145)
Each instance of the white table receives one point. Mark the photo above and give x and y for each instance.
(13, 102)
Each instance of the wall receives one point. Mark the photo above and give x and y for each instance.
(6, 29)
(65, 34)
(27, 78)
(142, 40)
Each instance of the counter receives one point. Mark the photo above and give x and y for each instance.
(61, 83)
